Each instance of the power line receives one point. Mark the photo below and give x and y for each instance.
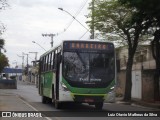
(77, 13)
(83, 35)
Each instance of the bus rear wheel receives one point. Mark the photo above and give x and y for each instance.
(57, 105)
(99, 105)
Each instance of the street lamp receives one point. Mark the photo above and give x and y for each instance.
(38, 45)
(73, 18)
(49, 35)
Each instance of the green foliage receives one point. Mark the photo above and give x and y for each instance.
(3, 62)
(149, 6)
(113, 21)
(1, 42)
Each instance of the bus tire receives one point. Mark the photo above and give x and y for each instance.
(44, 99)
(99, 105)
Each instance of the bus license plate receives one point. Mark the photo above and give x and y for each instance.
(88, 100)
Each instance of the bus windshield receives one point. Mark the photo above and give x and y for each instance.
(88, 69)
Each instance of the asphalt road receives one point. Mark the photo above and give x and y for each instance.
(29, 95)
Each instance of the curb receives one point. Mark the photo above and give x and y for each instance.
(146, 104)
(138, 102)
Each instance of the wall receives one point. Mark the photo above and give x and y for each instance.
(121, 79)
(8, 84)
(148, 85)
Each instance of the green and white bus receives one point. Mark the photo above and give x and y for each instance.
(78, 71)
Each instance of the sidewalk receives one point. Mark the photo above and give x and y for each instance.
(11, 102)
(139, 102)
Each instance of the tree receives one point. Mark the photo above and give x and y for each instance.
(112, 17)
(151, 8)
(1, 44)
(3, 62)
(3, 58)
(3, 4)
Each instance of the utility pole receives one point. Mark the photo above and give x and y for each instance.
(35, 55)
(27, 64)
(22, 60)
(35, 68)
(49, 35)
(92, 28)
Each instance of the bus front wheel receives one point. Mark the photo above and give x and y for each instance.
(99, 105)
(44, 99)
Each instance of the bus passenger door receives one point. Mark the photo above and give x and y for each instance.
(57, 76)
(40, 87)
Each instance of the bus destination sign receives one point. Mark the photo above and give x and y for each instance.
(69, 45)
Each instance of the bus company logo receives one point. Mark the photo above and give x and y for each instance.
(6, 114)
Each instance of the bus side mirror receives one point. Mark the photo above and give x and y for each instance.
(118, 65)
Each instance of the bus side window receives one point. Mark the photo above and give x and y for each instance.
(44, 61)
(55, 60)
(50, 63)
(53, 55)
(41, 65)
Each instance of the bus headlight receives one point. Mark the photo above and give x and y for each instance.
(64, 87)
(111, 89)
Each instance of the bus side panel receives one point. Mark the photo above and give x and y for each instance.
(47, 84)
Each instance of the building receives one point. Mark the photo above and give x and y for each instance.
(7, 73)
(142, 72)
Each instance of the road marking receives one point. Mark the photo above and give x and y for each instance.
(37, 110)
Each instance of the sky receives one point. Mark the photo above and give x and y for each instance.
(27, 20)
